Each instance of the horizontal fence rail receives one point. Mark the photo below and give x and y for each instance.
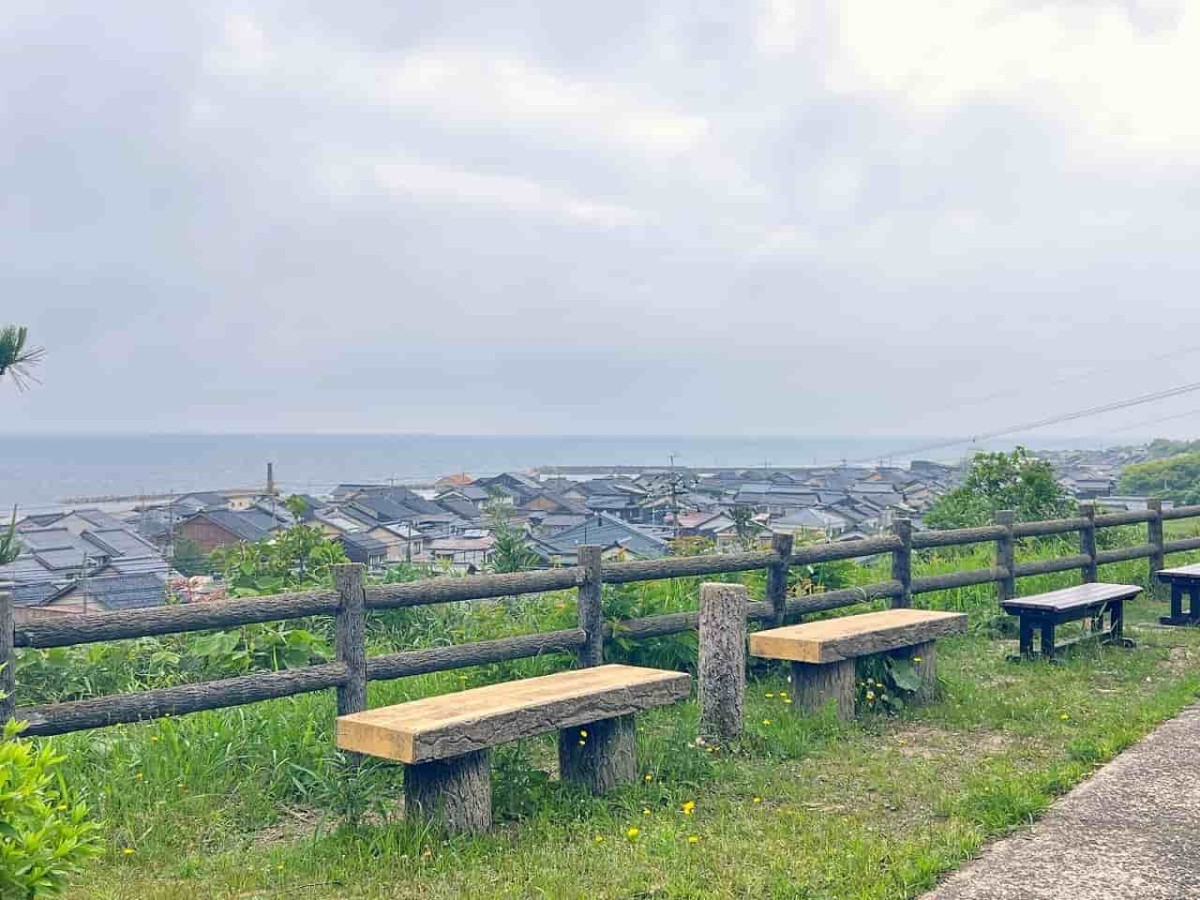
(351, 601)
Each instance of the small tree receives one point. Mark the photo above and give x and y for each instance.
(510, 550)
(744, 525)
(996, 481)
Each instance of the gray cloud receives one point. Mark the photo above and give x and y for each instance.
(566, 218)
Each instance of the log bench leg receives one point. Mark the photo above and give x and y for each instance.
(599, 756)
(924, 660)
(813, 686)
(456, 791)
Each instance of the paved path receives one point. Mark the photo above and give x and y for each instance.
(1131, 831)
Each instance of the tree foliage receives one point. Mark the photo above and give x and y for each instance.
(295, 557)
(45, 836)
(996, 481)
(1175, 478)
(9, 548)
(510, 549)
(16, 359)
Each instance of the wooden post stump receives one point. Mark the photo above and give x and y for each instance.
(924, 660)
(600, 755)
(722, 668)
(457, 792)
(814, 686)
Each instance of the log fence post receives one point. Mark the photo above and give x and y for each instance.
(8, 702)
(1006, 587)
(902, 563)
(722, 666)
(1154, 537)
(591, 610)
(1087, 543)
(351, 637)
(777, 576)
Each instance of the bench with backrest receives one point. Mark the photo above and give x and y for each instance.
(444, 741)
(1044, 612)
(823, 653)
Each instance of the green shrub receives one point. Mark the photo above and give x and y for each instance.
(44, 838)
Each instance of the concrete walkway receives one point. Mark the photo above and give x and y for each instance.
(1131, 831)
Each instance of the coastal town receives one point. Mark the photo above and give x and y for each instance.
(98, 559)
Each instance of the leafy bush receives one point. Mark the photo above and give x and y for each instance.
(1175, 478)
(998, 481)
(44, 838)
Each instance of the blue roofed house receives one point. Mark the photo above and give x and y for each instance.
(618, 540)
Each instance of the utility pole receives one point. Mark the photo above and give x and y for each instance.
(674, 498)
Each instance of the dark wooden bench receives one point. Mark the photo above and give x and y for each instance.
(1182, 579)
(1044, 612)
(822, 653)
(444, 741)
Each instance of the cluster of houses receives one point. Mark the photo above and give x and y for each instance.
(89, 560)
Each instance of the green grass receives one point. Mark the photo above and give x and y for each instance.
(254, 802)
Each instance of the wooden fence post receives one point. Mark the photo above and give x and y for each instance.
(7, 675)
(1154, 537)
(1006, 588)
(722, 669)
(351, 637)
(777, 576)
(1087, 542)
(902, 563)
(591, 612)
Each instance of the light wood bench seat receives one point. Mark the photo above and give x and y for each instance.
(444, 741)
(1046, 611)
(822, 653)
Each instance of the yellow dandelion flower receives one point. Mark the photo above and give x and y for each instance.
(692, 839)
(870, 695)
(787, 700)
(916, 659)
(599, 839)
(127, 850)
(1065, 716)
(768, 695)
(645, 810)
(689, 807)
(756, 800)
(583, 732)
(138, 776)
(583, 743)
(766, 721)
(632, 833)
(647, 777)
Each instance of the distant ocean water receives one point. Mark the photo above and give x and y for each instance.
(43, 471)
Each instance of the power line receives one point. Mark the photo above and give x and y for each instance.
(1122, 365)
(1043, 423)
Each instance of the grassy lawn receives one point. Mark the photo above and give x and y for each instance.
(251, 803)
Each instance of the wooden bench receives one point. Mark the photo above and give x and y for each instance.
(1085, 601)
(444, 741)
(822, 653)
(1182, 579)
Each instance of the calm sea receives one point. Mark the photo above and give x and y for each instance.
(43, 471)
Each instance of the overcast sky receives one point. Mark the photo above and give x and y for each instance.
(852, 217)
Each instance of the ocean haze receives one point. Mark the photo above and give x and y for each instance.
(39, 472)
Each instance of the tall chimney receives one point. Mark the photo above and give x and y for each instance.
(270, 479)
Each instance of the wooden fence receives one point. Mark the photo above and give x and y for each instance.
(350, 601)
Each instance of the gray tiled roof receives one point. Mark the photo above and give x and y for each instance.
(118, 542)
